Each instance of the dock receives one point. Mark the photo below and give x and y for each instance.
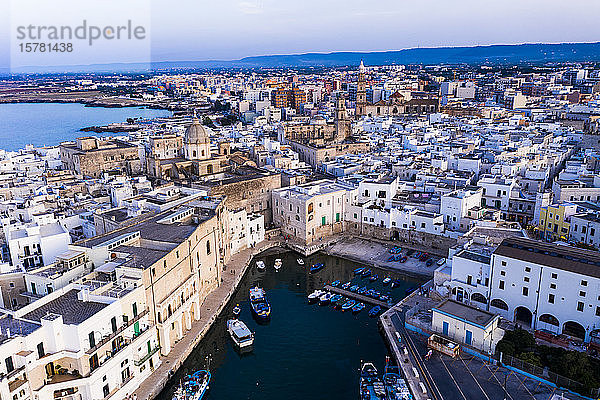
(356, 296)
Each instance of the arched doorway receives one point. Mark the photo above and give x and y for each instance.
(523, 316)
(395, 235)
(549, 319)
(574, 329)
(499, 304)
(479, 298)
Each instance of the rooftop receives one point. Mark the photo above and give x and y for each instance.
(466, 313)
(73, 310)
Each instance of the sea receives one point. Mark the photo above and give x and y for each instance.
(49, 124)
(306, 351)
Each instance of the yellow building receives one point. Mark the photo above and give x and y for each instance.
(555, 221)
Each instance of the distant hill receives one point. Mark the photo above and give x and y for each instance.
(533, 53)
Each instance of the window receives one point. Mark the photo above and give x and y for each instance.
(503, 263)
(580, 306)
(310, 208)
(501, 285)
(553, 286)
(583, 283)
(598, 311)
(208, 247)
(92, 339)
(551, 298)
(113, 324)
(503, 273)
(525, 291)
(554, 275)
(9, 364)
(469, 279)
(40, 350)
(526, 279)
(527, 269)
(581, 293)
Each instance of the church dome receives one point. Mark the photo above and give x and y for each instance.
(196, 133)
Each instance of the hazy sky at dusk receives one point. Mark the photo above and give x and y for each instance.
(231, 29)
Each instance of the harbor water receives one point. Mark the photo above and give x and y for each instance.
(305, 351)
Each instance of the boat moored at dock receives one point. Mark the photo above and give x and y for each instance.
(371, 385)
(260, 306)
(240, 334)
(193, 386)
(260, 265)
(278, 264)
(316, 267)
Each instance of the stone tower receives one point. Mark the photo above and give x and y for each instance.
(361, 92)
(342, 123)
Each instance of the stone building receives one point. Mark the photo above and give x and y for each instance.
(90, 156)
(316, 155)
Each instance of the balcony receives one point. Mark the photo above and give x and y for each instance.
(146, 357)
(108, 338)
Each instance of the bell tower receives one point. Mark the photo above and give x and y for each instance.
(342, 123)
(361, 92)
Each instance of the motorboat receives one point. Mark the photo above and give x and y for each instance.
(316, 267)
(386, 280)
(335, 283)
(260, 265)
(366, 273)
(300, 261)
(348, 305)
(314, 296)
(373, 278)
(353, 288)
(358, 271)
(396, 283)
(236, 311)
(358, 307)
(373, 312)
(325, 299)
(278, 264)
(362, 290)
(346, 285)
(240, 334)
(338, 304)
(335, 298)
(193, 386)
(260, 306)
(395, 386)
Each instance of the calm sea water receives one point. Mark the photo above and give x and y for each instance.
(305, 351)
(51, 123)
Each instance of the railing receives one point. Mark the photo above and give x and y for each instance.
(146, 357)
(108, 338)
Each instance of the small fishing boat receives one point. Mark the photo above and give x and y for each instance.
(354, 288)
(376, 294)
(386, 280)
(335, 298)
(373, 312)
(335, 283)
(316, 267)
(358, 271)
(240, 334)
(371, 386)
(396, 283)
(278, 264)
(300, 261)
(260, 306)
(384, 297)
(193, 386)
(373, 278)
(260, 265)
(325, 299)
(366, 273)
(338, 304)
(362, 290)
(370, 292)
(314, 296)
(346, 285)
(358, 307)
(348, 305)
(395, 387)
(237, 310)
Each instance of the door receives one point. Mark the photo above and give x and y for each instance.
(149, 346)
(136, 328)
(468, 337)
(445, 328)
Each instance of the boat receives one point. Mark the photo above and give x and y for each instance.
(396, 283)
(335, 298)
(325, 299)
(300, 261)
(366, 273)
(278, 264)
(193, 386)
(236, 310)
(358, 307)
(384, 297)
(316, 267)
(371, 386)
(373, 312)
(358, 271)
(373, 278)
(346, 285)
(395, 387)
(338, 304)
(354, 288)
(362, 290)
(260, 306)
(314, 296)
(335, 283)
(409, 291)
(386, 280)
(240, 334)
(348, 305)
(260, 265)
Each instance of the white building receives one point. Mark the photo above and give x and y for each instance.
(455, 208)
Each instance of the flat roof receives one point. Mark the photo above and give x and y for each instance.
(465, 312)
(566, 258)
(73, 310)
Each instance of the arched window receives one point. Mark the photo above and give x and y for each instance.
(169, 311)
(478, 297)
(202, 153)
(159, 319)
(549, 319)
(208, 247)
(194, 153)
(499, 304)
(209, 169)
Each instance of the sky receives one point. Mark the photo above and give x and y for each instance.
(231, 29)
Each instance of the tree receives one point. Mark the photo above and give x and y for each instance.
(208, 122)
